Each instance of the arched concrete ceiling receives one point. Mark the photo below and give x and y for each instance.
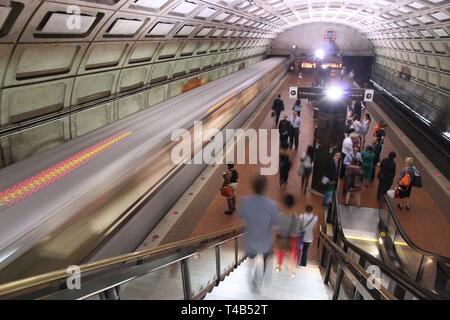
(390, 19)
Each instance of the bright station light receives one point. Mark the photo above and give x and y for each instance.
(334, 93)
(320, 54)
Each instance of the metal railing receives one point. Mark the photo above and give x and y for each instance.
(399, 284)
(426, 268)
(184, 266)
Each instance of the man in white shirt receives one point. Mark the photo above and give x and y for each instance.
(307, 222)
(347, 145)
(295, 130)
(354, 155)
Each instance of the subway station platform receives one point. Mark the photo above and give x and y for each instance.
(426, 225)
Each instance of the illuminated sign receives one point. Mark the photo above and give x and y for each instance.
(333, 65)
(308, 65)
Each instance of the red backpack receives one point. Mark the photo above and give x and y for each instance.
(375, 130)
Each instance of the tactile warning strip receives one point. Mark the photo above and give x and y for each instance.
(56, 172)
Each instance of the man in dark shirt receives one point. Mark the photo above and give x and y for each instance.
(277, 107)
(285, 131)
(357, 109)
(387, 174)
(381, 133)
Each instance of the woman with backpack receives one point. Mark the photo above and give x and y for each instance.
(306, 166)
(409, 177)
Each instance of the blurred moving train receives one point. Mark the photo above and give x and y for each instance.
(101, 194)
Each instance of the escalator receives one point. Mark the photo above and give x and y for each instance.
(375, 238)
(192, 268)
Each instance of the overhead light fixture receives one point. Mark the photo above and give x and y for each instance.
(320, 54)
(334, 93)
(324, 66)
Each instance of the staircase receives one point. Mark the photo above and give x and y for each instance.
(306, 285)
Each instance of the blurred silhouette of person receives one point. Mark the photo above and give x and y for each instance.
(287, 235)
(285, 165)
(260, 214)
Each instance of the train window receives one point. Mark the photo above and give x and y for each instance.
(161, 29)
(59, 23)
(125, 27)
(203, 33)
(206, 13)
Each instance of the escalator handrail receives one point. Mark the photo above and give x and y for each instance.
(346, 259)
(408, 241)
(50, 277)
(405, 281)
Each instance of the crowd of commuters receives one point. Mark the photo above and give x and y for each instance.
(361, 161)
(289, 232)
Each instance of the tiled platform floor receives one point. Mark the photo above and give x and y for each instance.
(425, 224)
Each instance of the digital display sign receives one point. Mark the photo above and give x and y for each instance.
(308, 65)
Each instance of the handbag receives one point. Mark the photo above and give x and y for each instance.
(325, 180)
(417, 179)
(227, 191)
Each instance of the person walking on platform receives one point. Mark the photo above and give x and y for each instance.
(294, 130)
(285, 165)
(386, 175)
(307, 222)
(357, 110)
(277, 107)
(284, 128)
(297, 107)
(287, 235)
(260, 214)
(306, 166)
(368, 158)
(229, 187)
(409, 177)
